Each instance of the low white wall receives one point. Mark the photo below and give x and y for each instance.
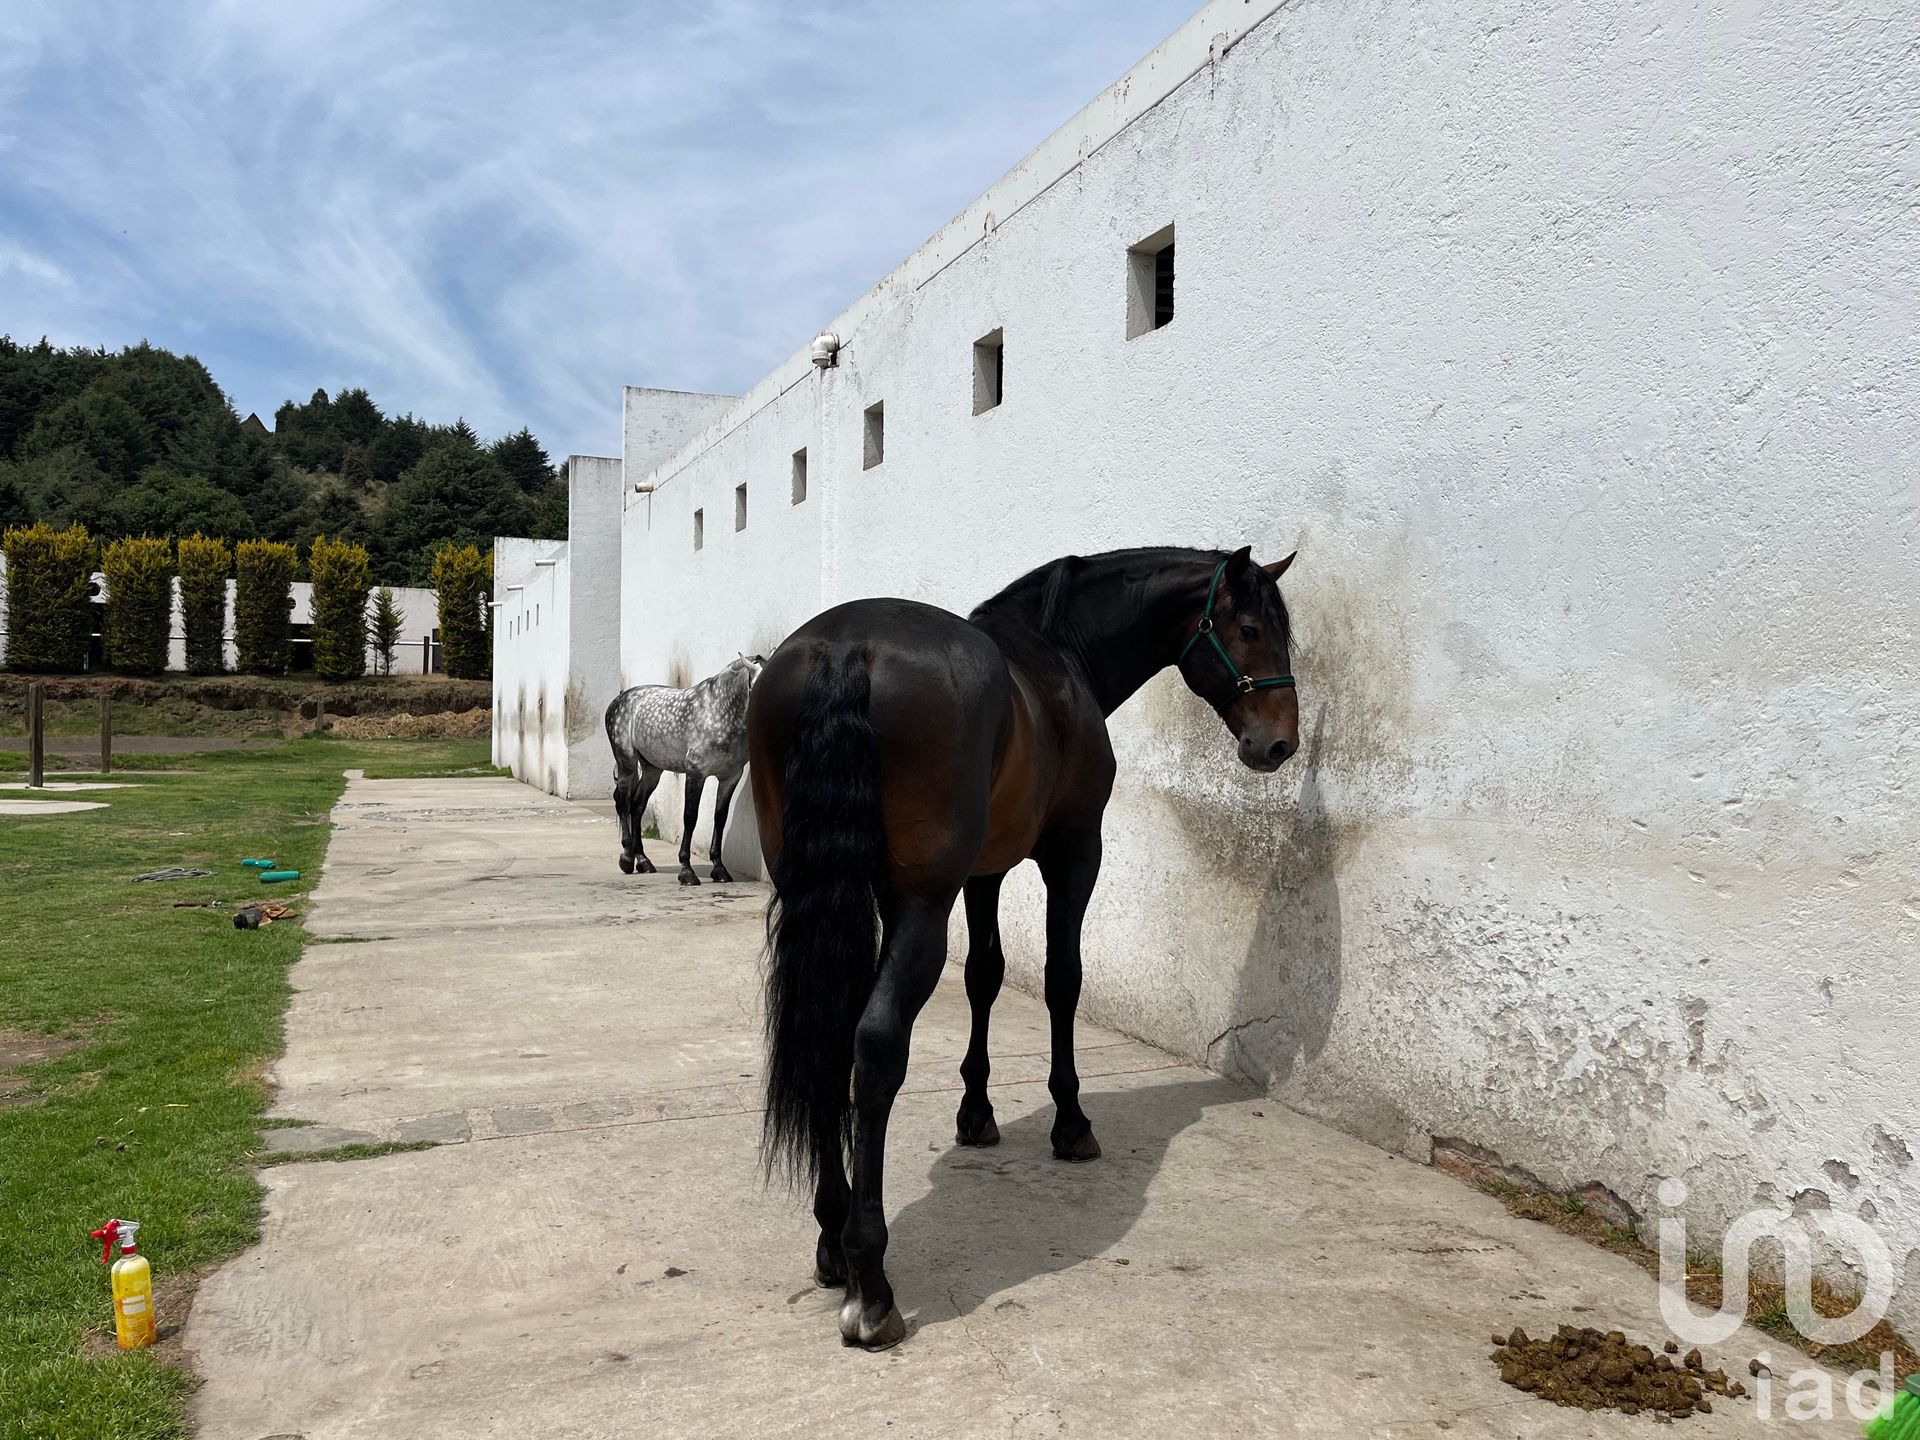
(419, 617)
(1576, 355)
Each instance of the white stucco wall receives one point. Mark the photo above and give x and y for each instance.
(530, 590)
(594, 490)
(655, 423)
(556, 640)
(1575, 350)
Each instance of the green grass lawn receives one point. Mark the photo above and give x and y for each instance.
(154, 1116)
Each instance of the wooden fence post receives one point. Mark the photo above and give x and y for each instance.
(36, 738)
(106, 733)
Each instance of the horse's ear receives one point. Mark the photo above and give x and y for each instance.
(1279, 567)
(1238, 561)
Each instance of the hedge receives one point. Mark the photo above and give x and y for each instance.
(339, 571)
(263, 606)
(49, 605)
(464, 577)
(139, 618)
(205, 566)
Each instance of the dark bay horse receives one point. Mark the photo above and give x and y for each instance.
(902, 755)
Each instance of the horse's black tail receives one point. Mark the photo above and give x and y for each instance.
(822, 925)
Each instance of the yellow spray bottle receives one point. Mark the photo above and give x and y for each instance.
(133, 1318)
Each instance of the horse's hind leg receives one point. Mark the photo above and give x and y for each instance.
(722, 799)
(912, 954)
(689, 817)
(986, 968)
(830, 1200)
(623, 783)
(636, 817)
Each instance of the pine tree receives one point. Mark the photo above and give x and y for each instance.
(524, 462)
(385, 629)
(356, 474)
(457, 493)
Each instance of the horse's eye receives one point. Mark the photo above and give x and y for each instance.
(1249, 632)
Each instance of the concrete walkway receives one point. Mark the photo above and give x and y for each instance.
(592, 1254)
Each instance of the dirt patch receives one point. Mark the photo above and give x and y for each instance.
(173, 1296)
(1578, 1215)
(473, 724)
(1586, 1369)
(228, 706)
(20, 1048)
(1482, 1168)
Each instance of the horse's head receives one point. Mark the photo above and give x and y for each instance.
(1237, 658)
(749, 665)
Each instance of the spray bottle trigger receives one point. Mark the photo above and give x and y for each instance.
(109, 1236)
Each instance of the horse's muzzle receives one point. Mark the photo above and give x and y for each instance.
(1266, 756)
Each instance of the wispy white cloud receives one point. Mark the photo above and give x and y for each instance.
(506, 211)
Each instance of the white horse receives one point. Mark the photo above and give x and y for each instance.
(696, 732)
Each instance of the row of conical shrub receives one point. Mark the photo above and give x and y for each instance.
(50, 593)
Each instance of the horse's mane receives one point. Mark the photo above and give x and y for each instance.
(1044, 595)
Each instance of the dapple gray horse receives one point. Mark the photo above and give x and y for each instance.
(696, 732)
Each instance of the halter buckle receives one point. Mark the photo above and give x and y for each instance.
(1205, 627)
(1245, 682)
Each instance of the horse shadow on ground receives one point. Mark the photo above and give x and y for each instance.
(1001, 1216)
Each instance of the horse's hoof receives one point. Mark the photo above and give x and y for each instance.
(878, 1333)
(626, 864)
(687, 877)
(642, 866)
(719, 873)
(983, 1133)
(1085, 1148)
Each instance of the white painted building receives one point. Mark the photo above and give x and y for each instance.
(1574, 348)
(556, 640)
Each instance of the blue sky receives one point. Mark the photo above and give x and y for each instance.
(506, 211)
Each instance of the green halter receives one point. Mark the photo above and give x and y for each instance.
(1242, 681)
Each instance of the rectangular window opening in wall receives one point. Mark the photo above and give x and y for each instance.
(875, 435)
(799, 476)
(988, 369)
(699, 528)
(1150, 283)
(739, 507)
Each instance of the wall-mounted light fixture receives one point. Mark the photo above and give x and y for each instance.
(826, 349)
(545, 564)
(643, 487)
